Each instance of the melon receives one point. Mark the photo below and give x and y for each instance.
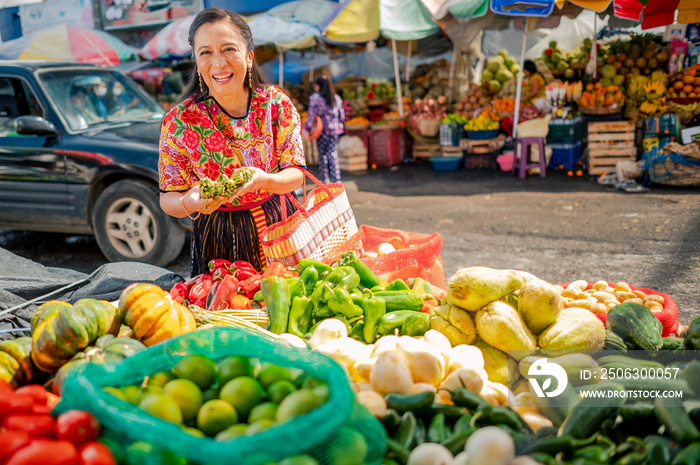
(503, 75)
(494, 64)
(609, 71)
(515, 69)
(494, 86)
(618, 80)
(486, 75)
(509, 62)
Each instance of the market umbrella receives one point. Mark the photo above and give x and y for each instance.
(169, 43)
(657, 13)
(353, 21)
(309, 11)
(69, 43)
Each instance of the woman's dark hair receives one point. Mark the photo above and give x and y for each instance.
(326, 89)
(530, 67)
(214, 15)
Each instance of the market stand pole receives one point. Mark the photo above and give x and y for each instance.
(450, 79)
(281, 72)
(397, 78)
(408, 66)
(519, 88)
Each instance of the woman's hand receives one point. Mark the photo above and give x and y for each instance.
(260, 180)
(193, 202)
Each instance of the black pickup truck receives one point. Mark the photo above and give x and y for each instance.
(79, 154)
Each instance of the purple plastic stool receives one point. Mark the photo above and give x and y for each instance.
(523, 163)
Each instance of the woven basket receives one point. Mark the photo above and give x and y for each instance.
(599, 111)
(428, 127)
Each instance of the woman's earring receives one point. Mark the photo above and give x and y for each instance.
(250, 78)
(201, 85)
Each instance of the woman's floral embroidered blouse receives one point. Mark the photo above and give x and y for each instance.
(199, 139)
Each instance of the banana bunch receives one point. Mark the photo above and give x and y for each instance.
(654, 108)
(635, 88)
(653, 90)
(660, 77)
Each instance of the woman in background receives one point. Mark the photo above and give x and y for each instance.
(534, 90)
(327, 104)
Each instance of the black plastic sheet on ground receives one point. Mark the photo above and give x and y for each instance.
(23, 280)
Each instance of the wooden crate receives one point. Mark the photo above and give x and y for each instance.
(483, 146)
(353, 162)
(608, 143)
(451, 151)
(426, 150)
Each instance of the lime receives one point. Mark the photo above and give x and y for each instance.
(321, 392)
(211, 393)
(269, 373)
(142, 452)
(259, 426)
(299, 460)
(233, 367)
(198, 369)
(215, 416)
(265, 410)
(133, 394)
(309, 382)
(349, 448)
(280, 389)
(187, 395)
(243, 393)
(193, 431)
(161, 378)
(115, 448)
(297, 403)
(116, 392)
(232, 432)
(161, 406)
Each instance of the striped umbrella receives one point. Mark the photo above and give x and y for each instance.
(170, 43)
(69, 43)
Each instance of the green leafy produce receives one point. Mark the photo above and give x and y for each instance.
(224, 185)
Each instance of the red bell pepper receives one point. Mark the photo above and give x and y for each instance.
(45, 452)
(219, 273)
(238, 302)
(179, 292)
(200, 289)
(244, 270)
(33, 425)
(275, 269)
(221, 292)
(77, 427)
(219, 263)
(250, 286)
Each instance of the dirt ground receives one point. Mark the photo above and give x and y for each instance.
(559, 228)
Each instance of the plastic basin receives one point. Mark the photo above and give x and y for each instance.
(506, 161)
(480, 135)
(446, 162)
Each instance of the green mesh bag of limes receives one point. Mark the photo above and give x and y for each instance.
(339, 431)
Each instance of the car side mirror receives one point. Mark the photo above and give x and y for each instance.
(31, 125)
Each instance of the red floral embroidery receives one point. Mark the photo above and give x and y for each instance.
(248, 197)
(275, 112)
(228, 171)
(190, 117)
(191, 138)
(215, 142)
(211, 170)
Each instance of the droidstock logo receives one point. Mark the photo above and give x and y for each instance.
(543, 367)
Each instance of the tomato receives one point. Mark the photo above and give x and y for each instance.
(12, 403)
(33, 425)
(95, 453)
(10, 442)
(38, 409)
(77, 426)
(35, 391)
(45, 452)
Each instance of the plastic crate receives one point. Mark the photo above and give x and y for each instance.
(565, 130)
(565, 155)
(451, 134)
(385, 147)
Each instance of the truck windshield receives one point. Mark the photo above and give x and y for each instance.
(91, 97)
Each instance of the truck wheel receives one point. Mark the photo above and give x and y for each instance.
(130, 225)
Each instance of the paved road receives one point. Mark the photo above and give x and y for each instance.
(559, 228)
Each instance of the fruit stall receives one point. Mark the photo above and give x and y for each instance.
(371, 355)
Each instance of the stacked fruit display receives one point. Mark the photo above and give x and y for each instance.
(685, 84)
(486, 120)
(474, 99)
(646, 95)
(499, 70)
(565, 64)
(600, 96)
(640, 55)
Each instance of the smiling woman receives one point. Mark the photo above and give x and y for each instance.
(228, 118)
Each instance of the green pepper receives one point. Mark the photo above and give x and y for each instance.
(406, 432)
(322, 292)
(595, 453)
(357, 331)
(421, 287)
(493, 415)
(688, 456)
(656, 455)
(276, 294)
(309, 277)
(452, 412)
(392, 320)
(367, 277)
(637, 411)
(398, 285)
(542, 457)
(391, 421)
(304, 263)
(343, 276)
(462, 423)
(421, 433)
(455, 442)
(437, 429)
(341, 302)
(463, 397)
(322, 311)
(656, 443)
(398, 450)
(551, 446)
(373, 309)
(300, 316)
(377, 288)
(419, 404)
(400, 300)
(296, 288)
(633, 458)
(258, 297)
(357, 297)
(416, 325)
